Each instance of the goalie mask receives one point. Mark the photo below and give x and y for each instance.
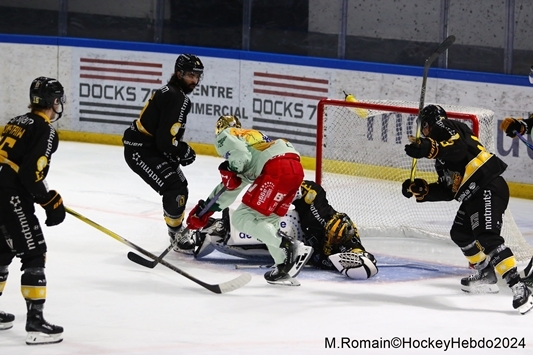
(431, 114)
(340, 229)
(227, 121)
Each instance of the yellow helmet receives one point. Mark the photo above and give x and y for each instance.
(227, 121)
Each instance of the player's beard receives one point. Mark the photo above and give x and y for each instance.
(186, 88)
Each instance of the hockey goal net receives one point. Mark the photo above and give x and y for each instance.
(361, 163)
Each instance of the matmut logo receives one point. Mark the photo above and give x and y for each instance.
(290, 86)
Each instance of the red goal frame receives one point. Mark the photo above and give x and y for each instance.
(371, 106)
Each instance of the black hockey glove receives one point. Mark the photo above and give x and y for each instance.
(405, 188)
(419, 188)
(426, 148)
(55, 211)
(509, 125)
(188, 156)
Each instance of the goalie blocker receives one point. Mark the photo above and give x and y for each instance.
(217, 235)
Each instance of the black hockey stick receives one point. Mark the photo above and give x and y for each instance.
(224, 287)
(442, 47)
(523, 139)
(136, 258)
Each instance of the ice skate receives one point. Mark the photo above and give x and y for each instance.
(522, 299)
(483, 281)
(182, 239)
(6, 320)
(40, 331)
(296, 255)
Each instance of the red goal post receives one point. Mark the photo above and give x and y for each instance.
(361, 163)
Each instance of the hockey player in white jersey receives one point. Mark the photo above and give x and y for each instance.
(273, 170)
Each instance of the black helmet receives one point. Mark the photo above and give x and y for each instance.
(189, 63)
(44, 91)
(431, 114)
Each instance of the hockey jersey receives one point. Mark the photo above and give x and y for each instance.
(462, 163)
(247, 151)
(26, 147)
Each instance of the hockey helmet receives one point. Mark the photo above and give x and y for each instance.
(44, 91)
(340, 229)
(224, 122)
(189, 63)
(431, 114)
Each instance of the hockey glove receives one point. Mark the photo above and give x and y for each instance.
(188, 156)
(193, 221)
(230, 179)
(509, 125)
(419, 188)
(405, 188)
(55, 211)
(426, 148)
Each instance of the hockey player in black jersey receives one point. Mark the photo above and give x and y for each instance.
(471, 175)
(26, 147)
(154, 148)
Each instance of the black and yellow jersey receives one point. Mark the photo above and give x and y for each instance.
(463, 164)
(26, 147)
(161, 123)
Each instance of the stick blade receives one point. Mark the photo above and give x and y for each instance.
(142, 261)
(231, 285)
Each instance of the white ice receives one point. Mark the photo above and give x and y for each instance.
(109, 305)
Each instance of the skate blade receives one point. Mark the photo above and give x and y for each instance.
(526, 307)
(6, 325)
(38, 338)
(286, 281)
(481, 289)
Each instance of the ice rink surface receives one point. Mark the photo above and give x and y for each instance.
(109, 305)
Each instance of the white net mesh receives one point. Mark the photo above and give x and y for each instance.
(361, 163)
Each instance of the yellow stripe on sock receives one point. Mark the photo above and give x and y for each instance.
(477, 258)
(2, 285)
(505, 265)
(174, 222)
(33, 293)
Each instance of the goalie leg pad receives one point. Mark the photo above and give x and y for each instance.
(355, 266)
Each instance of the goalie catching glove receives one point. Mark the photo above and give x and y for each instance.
(418, 188)
(423, 148)
(195, 222)
(511, 125)
(230, 179)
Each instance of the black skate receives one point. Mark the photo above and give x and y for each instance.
(296, 256)
(6, 320)
(484, 281)
(40, 331)
(182, 239)
(522, 299)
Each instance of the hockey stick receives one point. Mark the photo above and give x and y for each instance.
(523, 139)
(136, 258)
(224, 287)
(442, 47)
